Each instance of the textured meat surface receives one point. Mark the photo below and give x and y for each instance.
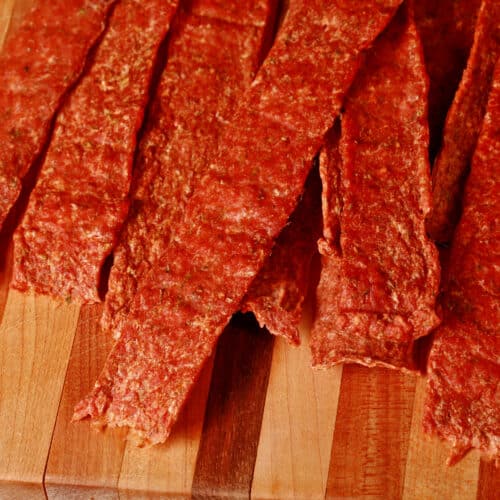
(38, 63)
(277, 293)
(463, 398)
(80, 200)
(463, 124)
(210, 63)
(233, 216)
(447, 30)
(380, 277)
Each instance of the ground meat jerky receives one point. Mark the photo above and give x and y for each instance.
(210, 63)
(463, 123)
(233, 216)
(446, 29)
(80, 200)
(277, 293)
(38, 63)
(463, 403)
(380, 277)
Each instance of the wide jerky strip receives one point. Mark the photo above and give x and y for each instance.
(210, 64)
(277, 293)
(380, 277)
(463, 124)
(446, 29)
(80, 200)
(235, 213)
(463, 403)
(38, 63)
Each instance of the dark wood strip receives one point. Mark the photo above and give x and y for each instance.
(489, 481)
(372, 433)
(78, 454)
(233, 417)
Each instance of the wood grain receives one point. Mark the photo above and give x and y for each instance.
(297, 426)
(489, 481)
(427, 476)
(36, 335)
(228, 447)
(78, 454)
(372, 431)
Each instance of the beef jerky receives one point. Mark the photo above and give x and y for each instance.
(446, 29)
(463, 124)
(81, 197)
(38, 63)
(462, 404)
(380, 277)
(277, 294)
(210, 63)
(234, 214)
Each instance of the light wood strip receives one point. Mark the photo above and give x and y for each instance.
(21, 491)
(228, 448)
(168, 468)
(372, 432)
(79, 455)
(6, 8)
(298, 423)
(427, 475)
(36, 335)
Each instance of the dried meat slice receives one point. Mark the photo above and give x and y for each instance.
(277, 293)
(234, 214)
(446, 29)
(463, 124)
(39, 62)
(210, 64)
(81, 197)
(380, 276)
(462, 404)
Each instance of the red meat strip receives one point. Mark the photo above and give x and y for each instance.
(80, 200)
(277, 294)
(463, 404)
(233, 216)
(447, 30)
(463, 124)
(380, 277)
(210, 64)
(38, 63)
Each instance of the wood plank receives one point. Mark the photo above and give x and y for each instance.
(36, 335)
(298, 423)
(372, 433)
(169, 468)
(489, 481)
(231, 429)
(427, 475)
(78, 454)
(21, 491)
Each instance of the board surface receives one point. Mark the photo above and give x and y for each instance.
(261, 423)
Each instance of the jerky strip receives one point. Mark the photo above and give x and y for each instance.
(277, 293)
(233, 216)
(446, 29)
(80, 200)
(463, 124)
(380, 277)
(38, 63)
(462, 403)
(210, 64)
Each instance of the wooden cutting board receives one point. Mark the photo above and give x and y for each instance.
(260, 423)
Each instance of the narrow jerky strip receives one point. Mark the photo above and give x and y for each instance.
(380, 277)
(210, 64)
(277, 294)
(462, 403)
(446, 29)
(463, 124)
(80, 200)
(233, 216)
(38, 63)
